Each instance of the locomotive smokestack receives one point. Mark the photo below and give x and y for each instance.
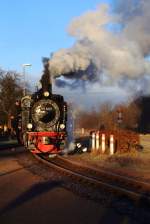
(46, 77)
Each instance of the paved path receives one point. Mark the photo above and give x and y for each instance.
(28, 198)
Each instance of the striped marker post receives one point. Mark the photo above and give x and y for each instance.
(97, 140)
(111, 144)
(93, 141)
(103, 143)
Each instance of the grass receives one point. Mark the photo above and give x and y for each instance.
(131, 164)
(139, 160)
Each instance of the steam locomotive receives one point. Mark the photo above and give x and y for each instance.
(43, 118)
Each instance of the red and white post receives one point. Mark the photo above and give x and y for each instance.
(111, 144)
(103, 143)
(97, 140)
(93, 140)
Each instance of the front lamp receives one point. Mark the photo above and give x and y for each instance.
(62, 126)
(29, 126)
(46, 93)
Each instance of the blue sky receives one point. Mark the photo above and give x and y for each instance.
(31, 29)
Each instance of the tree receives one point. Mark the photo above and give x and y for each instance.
(130, 114)
(107, 117)
(10, 92)
(88, 119)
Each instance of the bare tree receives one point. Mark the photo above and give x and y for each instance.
(130, 116)
(10, 91)
(88, 119)
(107, 117)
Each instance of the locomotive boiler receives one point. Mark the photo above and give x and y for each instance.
(44, 118)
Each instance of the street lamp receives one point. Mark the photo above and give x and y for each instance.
(24, 78)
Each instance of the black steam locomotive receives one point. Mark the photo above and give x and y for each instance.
(43, 118)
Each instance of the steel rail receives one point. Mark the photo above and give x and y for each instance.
(120, 191)
(110, 174)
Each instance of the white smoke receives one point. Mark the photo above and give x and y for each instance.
(117, 53)
(135, 16)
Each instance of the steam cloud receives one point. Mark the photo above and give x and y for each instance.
(109, 47)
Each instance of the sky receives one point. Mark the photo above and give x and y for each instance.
(32, 29)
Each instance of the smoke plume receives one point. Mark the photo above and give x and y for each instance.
(112, 46)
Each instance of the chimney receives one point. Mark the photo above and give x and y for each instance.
(46, 77)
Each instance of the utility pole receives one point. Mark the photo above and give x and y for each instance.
(24, 77)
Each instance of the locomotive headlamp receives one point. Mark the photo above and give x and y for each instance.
(46, 93)
(78, 145)
(62, 126)
(29, 126)
(84, 149)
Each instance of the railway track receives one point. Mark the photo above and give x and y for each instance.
(100, 179)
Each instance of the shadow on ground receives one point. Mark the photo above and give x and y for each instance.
(12, 151)
(31, 193)
(125, 211)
